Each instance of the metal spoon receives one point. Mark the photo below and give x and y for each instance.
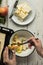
(25, 42)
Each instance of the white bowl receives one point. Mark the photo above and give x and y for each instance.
(27, 34)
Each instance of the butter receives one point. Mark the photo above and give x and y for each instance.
(24, 6)
(22, 11)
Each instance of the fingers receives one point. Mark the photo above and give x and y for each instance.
(39, 41)
(34, 40)
(5, 55)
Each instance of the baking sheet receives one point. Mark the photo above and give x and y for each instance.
(5, 35)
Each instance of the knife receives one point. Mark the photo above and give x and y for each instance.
(14, 8)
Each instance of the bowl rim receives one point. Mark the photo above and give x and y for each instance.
(30, 33)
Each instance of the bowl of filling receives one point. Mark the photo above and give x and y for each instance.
(19, 37)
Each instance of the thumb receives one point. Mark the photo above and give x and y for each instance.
(6, 49)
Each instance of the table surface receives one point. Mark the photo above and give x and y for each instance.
(36, 27)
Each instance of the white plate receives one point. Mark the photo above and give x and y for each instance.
(27, 35)
(30, 17)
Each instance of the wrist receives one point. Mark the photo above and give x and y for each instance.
(12, 64)
(42, 52)
(39, 51)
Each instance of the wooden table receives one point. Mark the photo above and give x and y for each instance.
(36, 27)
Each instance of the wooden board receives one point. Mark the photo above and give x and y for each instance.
(2, 40)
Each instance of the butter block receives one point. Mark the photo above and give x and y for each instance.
(23, 10)
(25, 6)
(21, 14)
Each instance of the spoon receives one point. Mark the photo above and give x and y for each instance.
(25, 42)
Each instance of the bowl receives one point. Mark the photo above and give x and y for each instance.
(27, 34)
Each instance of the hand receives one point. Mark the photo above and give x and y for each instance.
(38, 45)
(6, 58)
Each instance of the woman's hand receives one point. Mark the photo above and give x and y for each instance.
(6, 58)
(38, 45)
